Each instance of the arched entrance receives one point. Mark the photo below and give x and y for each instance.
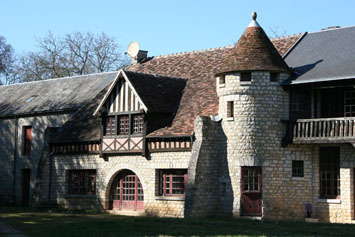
(126, 192)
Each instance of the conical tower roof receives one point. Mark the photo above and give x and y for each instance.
(254, 52)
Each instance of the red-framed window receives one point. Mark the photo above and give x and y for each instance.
(110, 125)
(251, 179)
(329, 172)
(137, 124)
(172, 182)
(124, 125)
(82, 182)
(27, 139)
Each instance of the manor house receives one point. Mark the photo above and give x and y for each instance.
(264, 128)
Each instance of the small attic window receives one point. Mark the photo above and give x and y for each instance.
(245, 76)
(274, 76)
(222, 80)
(31, 98)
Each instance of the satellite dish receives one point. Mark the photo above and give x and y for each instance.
(216, 118)
(133, 49)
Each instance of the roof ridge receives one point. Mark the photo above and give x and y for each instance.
(331, 29)
(218, 48)
(57, 78)
(286, 36)
(155, 75)
(193, 51)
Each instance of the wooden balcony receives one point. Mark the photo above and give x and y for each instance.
(322, 130)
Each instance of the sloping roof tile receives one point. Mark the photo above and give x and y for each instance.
(52, 95)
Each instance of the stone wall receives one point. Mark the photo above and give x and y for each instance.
(8, 149)
(106, 171)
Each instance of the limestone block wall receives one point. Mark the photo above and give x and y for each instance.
(255, 132)
(8, 149)
(106, 170)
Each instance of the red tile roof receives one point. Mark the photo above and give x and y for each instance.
(253, 52)
(199, 96)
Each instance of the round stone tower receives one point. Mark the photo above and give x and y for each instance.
(252, 105)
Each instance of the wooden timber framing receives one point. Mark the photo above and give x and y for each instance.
(159, 144)
(152, 144)
(76, 148)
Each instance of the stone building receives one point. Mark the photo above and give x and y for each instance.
(263, 128)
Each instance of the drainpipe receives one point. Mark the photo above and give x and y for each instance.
(50, 179)
(15, 161)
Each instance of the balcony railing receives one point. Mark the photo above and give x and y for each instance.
(323, 130)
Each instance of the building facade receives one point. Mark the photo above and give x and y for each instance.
(261, 129)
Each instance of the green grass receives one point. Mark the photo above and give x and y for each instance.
(45, 223)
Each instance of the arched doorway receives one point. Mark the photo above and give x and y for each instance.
(126, 192)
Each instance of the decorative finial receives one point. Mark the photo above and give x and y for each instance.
(253, 16)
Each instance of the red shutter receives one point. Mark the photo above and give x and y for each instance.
(27, 138)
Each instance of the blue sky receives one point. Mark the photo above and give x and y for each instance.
(170, 26)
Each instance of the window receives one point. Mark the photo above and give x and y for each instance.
(172, 182)
(82, 181)
(245, 76)
(297, 168)
(230, 109)
(137, 123)
(349, 106)
(274, 76)
(251, 179)
(27, 138)
(222, 80)
(110, 126)
(299, 101)
(124, 125)
(329, 172)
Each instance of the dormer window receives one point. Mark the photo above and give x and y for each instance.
(245, 76)
(124, 125)
(274, 76)
(222, 80)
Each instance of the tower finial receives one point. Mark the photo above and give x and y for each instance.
(253, 16)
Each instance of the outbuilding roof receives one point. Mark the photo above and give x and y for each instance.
(323, 56)
(53, 95)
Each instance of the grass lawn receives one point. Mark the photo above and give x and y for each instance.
(45, 223)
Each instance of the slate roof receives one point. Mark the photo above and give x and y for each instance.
(53, 95)
(323, 56)
(253, 52)
(159, 93)
(199, 67)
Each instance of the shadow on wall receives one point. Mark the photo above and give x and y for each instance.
(209, 191)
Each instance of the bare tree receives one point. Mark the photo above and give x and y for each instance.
(6, 60)
(73, 54)
(276, 33)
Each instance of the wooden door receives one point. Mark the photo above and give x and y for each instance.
(251, 189)
(26, 187)
(127, 192)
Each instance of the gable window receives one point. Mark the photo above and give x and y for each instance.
(137, 124)
(124, 125)
(274, 76)
(110, 126)
(172, 182)
(329, 172)
(230, 109)
(245, 76)
(27, 138)
(82, 182)
(297, 168)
